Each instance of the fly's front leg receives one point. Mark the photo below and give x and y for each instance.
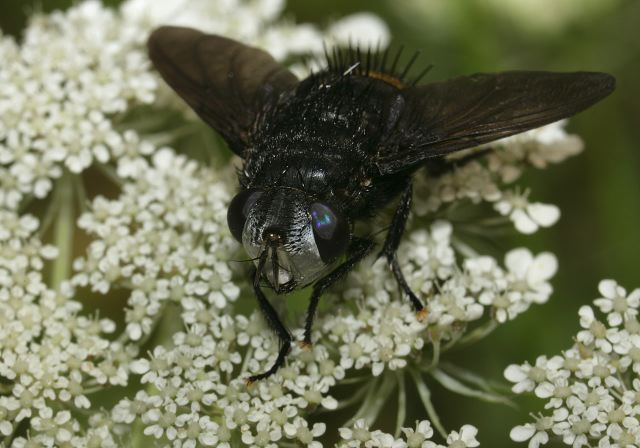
(277, 326)
(391, 244)
(358, 249)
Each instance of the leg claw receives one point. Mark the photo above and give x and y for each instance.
(422, 314)
(305, 345)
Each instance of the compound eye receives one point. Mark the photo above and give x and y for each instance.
(239, 209)
(331, 232)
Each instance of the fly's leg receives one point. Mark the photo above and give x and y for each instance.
(277, 326)
(358, 249)
(391, 244)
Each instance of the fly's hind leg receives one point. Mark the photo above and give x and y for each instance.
(394, 235)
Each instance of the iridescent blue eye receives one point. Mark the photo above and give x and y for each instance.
(330, 230)
(324, 221)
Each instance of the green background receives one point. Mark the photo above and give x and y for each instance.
(598, 192)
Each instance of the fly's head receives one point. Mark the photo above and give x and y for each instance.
(292, 239)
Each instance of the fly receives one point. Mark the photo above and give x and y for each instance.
(335, 148)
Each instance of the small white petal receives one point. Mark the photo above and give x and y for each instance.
(515, 373)
(608, 288)
(522, 433)
(524, 224)
(518, 261)
(545, 215)
(543, 268)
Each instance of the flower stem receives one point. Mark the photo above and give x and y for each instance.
(402, 403)
(435, 359)
(477, 334)
(63, 231)
(380, 397)
(425, 397)
(371, 391)
(81, 194)
(349, 401)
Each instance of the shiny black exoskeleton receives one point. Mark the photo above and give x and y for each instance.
(333, 149)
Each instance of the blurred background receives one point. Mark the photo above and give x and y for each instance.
(598, 191)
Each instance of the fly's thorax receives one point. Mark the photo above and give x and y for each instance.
(293, 240)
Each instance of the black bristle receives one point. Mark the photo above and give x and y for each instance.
(426, 70)
(368, 64)
(326, 55)
(351, 55)
(392, 69)
(364, 61)
(411, 62)
(383, 60)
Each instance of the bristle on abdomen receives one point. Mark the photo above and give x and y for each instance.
(374, 64)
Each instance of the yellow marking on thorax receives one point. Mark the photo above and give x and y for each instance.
(385, 77)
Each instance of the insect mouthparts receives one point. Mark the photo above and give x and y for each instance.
(272, 237)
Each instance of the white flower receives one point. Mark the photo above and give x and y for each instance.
(615, 302)
(360, 436)
(595, 331)
(529, 275)
(538, 433)
(299, 429)
(416, 438)
(364, 29)
(466, 437)
(526, 377)
(526, 216)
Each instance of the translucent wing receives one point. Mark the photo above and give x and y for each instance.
(227, 84)
(448, 116)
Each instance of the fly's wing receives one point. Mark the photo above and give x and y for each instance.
(460, 113)
(227, 84)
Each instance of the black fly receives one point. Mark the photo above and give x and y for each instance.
(337, 147)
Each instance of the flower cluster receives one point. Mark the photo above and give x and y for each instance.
(486, 179)
(65, 87)
(49, 352)
(383, 331)
(165, 239)
(359, 436)
(59, 89)
(75, 97)
(592, 390)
